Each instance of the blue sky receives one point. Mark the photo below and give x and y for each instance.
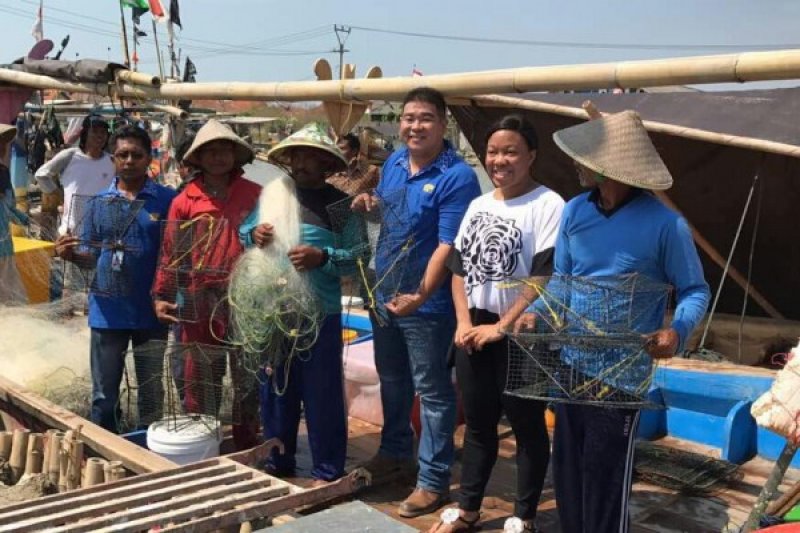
(305, 27)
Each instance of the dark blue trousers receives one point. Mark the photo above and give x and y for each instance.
(107, 357)
(315, 380)
(593, 467)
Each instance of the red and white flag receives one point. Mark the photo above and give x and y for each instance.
(38, 28)
(157, 10)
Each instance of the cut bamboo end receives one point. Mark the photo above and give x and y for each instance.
(6, 439)
(35, 454)
(48, 438)
(138, 78)
(113, 471)
(19, 451)
(74, 462)
(94, 471)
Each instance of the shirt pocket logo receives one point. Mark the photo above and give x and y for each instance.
(428, 188)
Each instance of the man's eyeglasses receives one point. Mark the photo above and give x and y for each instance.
(124, 156)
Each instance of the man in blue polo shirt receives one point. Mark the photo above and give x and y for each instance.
(428, 186)
(617, 229)
(120, 234)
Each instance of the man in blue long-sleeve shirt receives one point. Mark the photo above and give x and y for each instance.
(619, 227)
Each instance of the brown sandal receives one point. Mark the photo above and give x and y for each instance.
(452, 517)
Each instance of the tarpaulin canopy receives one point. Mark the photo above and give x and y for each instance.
(712, 179)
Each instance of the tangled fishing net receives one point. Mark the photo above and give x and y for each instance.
(381, 259)
(273, 311)
(589, 341)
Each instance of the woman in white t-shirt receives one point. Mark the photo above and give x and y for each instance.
(506, 234)
(85, 170)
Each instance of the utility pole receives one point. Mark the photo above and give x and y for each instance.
(342, 33)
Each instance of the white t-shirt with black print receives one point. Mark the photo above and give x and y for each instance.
(499, 240)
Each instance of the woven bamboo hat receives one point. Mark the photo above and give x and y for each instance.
(312, 135)
(618, 147)
(214, 130)
(7, 132)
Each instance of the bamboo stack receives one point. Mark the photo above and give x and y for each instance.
(57, 455)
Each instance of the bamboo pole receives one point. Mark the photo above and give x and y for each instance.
(35, 456)
(54, 448)
(137, 78)
(19, 450)
(743, 67)
(172, 110)
(652, 126)
(6, 439)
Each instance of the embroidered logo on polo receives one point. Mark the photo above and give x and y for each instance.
(428, 187)
(489, 249)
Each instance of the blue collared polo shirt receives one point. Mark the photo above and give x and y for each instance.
(120, 295)
(420, 211)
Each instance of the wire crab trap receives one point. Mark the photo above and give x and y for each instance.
(193, 271)
(107, 236)
(182, 383)
(589, 343)
(380, 248)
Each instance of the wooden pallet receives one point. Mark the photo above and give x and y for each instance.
(198, 497)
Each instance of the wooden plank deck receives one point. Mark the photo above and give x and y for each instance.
(653, 508)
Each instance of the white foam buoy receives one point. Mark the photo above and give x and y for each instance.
(185, 439)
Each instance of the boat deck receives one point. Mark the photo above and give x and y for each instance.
(653, 508)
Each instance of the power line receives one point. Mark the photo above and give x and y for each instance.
(576, 44)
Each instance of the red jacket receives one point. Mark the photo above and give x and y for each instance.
(200, 241)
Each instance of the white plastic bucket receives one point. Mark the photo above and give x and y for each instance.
(185, 439)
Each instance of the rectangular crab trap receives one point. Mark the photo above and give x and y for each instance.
(108, 237)
(589, 342)
(194, 269)
(184, 381)
(380, 251)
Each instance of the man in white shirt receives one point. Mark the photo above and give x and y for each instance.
(84, 170)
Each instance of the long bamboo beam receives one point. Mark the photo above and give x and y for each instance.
(735, 141)
(743, 67)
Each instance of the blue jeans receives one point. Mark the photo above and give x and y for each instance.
(411, 355)
(107, 358)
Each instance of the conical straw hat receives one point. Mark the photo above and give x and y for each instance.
(7, 132)
(214, 130)
(311, 135)
(618, 147)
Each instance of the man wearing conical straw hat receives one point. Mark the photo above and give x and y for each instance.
(215, 202)
(314, 378)
(618, 227)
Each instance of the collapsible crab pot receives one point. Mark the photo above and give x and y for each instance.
(185, 439)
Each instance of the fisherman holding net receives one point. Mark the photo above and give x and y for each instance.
(616, 230)
(508, 233)
(199, 250)
(296, 266)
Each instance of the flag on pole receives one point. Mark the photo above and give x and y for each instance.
(415, 72)
(156, 9)
(175, 13)
(138, 8)
(38, 28)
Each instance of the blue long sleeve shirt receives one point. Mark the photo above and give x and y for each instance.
(642, 236)
(420, 211)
